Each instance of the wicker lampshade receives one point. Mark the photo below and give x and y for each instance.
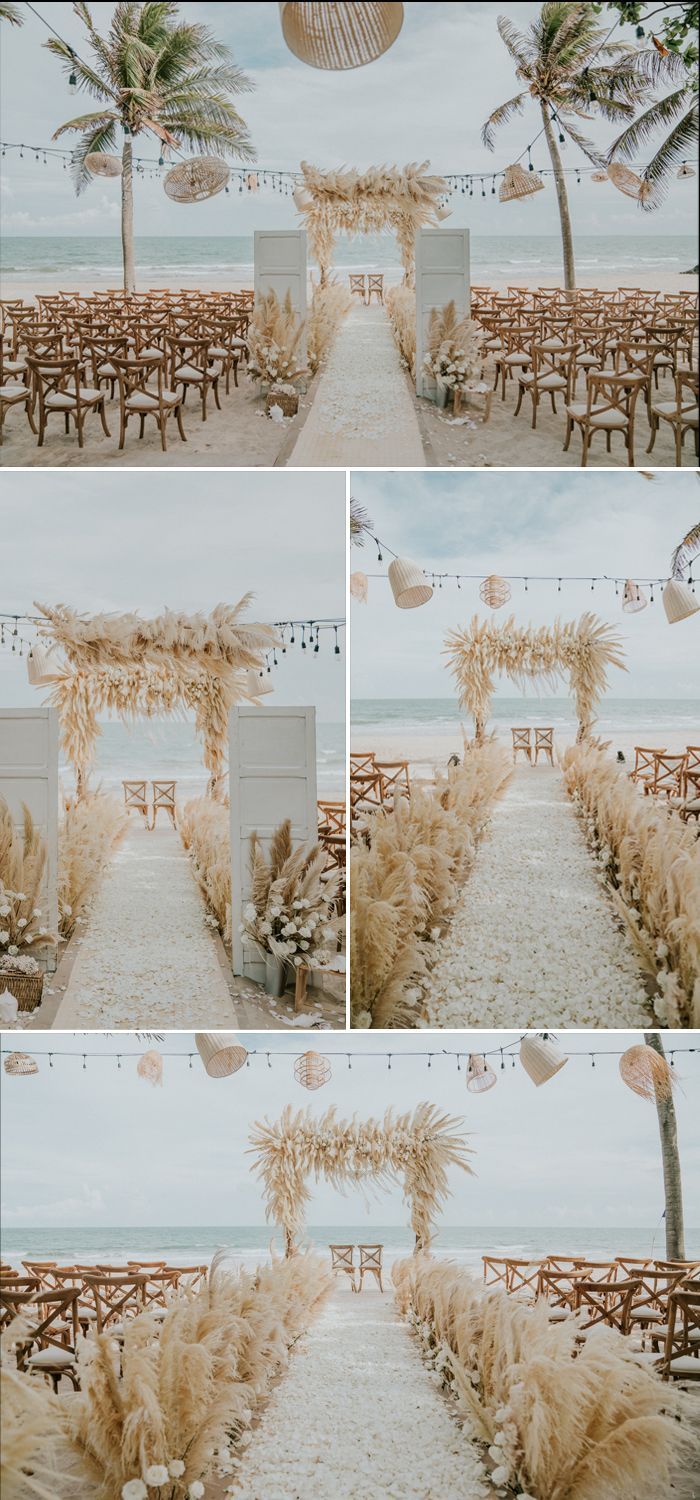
(627, 181)
(541, 1057)
(252, 182)
(599, 177)
(443, 212)
(221, 1052)
(517, 183)
(494, 591)
(633, 598)
(359, 587)
(39, 665)
(646, 1073)
(258, 684)
(679, 601)
(20, 1065)
(150, 1067)
(194, 180)
(312, 1070)
(101, 164)
(409, 584)
(685, 171)
(340, 36)
(480, 1075)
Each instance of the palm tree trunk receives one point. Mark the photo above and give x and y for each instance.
(563, 200)
(673, 1188)
(128, 217)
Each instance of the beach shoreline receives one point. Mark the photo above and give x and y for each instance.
(427, 751)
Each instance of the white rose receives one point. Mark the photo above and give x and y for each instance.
(13, 949)
(249, 912)
(134, 1489)
(155, 1475)
(176, 1468)
(276, 911)
(22, 922)
(196, 1490)
(37, 911)
(20, 896)
(5, 911)
(4, 937)
(266, 927)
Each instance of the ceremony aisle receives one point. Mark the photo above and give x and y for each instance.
(362, 412)
(534, 936)
(357, 1416)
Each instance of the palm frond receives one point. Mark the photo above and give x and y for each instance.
(519, 46)
(686, 551)
(12, 14)
(673, 150)
(501, 116)
(588, 148)
(658, 116)
(361, 523)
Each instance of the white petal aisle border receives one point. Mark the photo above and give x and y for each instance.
(358, 1417)
(535, 934)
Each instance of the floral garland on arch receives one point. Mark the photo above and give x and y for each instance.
(401, 200)
(582, 649)
(413, 1149)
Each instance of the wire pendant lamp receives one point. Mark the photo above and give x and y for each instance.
(339, 36)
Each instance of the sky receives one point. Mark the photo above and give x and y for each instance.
(426, 98)
(130, 541)
(103, 1147)
(522, 522)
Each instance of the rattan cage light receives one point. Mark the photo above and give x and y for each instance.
(633, 598)
(646, 1073)
(339, 36)
(101, 164)
(517, 183)
(409, 584)
(480, 1074)
(196, 179)
(312, 1070)
(494, 591)
(625, 180)
(21, 1065)
(221, 1052)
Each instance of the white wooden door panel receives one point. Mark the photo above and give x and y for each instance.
(442, 276)
(29, 776)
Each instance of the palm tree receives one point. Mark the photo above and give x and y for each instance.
(570, 70)
(670, 1158)
(12, 14)
(152, 73)
(678, 115)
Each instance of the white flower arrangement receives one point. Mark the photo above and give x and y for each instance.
(273, 918)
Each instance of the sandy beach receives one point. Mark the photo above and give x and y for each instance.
(426, 751)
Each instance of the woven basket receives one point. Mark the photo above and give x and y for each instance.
(517, 183)
(409, 584)
(101, 164)
(287, 400)
(26, 988)
(221, 1052)
(625, 180)
(341, 35)
(312, 1070)
(480, 1076)
(494, 591)
(679, 601)
(633, 598)
(199, 178)
(20, 1065)
(541, 1058)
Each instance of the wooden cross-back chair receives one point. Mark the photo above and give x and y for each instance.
(551, 374)
(60, 391)
(608, 1302)
(45, 1272)
(514, 354)
(395, 777)
(522, 741)
(138, 398)
(164, 801)
(667, 781)
(681, 1356)
(358, 284)
(190, 1278)
(343, 1261)
(190, 365)
(115, 1298)
(644, 762)
(681, 412)
(331, 817)
(544, 744)
(609, 407)
(50, 1336)
(651, 1298)
(228, 343)
(690, 804)
(361, 760)
(375, 287)
(523, 1277)
(558, 1288)
(371, 1264)
(136, 798)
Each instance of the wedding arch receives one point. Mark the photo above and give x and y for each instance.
(580, 649)
(401, 200)
(414, 1150)
(141, 668)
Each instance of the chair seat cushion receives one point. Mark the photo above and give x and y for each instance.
(646, 1315)
(13, 391)
(519, 357)
(238, 343)
(106, 370)
(217, 351)
(669, 409)
(685, 1364)
(51, 1359)
(188, 372)
(599, 418)
(591, 361)
(64, 400)
(153, 353)
(15, 366)
(551, 382)
(147, 401)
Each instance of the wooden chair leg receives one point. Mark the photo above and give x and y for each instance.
(178, 414)
(103, 416)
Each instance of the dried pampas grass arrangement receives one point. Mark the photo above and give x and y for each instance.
(330, 303)
(204, 828)
(88, 834)
(412, 1149)
(401, 200)
(400, 303)
(565, 1418)
(406, 873)
(35, 1457)
(583, 649)
(290, 911)
(649, 860)
(23, 857)
(274, 335)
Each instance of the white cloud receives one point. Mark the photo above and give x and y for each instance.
(77, 1208)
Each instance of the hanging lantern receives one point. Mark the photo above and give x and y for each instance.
(150, 1067)
(627, 181)
(443, 212)
(341, 35)
(38, 666)
(221, 1052)
(633, 598)
(480, 1076)
(646, 1073)
(409, 584)
(312, 1070)
(21, 1065)
(194, 180)
(517, 183)
(302, 199)
(679, 601)
(599, 177)
(359, 587)
(252, 182)
(541, 1057)
(494, 591)
(685, 171)
(101, 164)
(258, 684)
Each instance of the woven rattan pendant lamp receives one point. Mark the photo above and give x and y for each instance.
(409, 584)
(101, 164)
(221, 1052)
(633, 598)
(196, 179)
(338, 36)
(517, 183)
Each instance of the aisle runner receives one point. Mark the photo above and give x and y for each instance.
(362, 412)
(534, 937)
(147, 958)
(357, 1417)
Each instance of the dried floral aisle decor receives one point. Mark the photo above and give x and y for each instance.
(398, 200)
(412, 1149)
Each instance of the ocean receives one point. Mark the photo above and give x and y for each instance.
(97, 258)
(250, 1243)
(166, 750)
(617, 715)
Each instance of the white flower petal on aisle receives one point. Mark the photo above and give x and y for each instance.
(534, 934)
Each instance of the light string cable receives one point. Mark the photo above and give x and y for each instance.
(306, 632)
(508, 1050)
